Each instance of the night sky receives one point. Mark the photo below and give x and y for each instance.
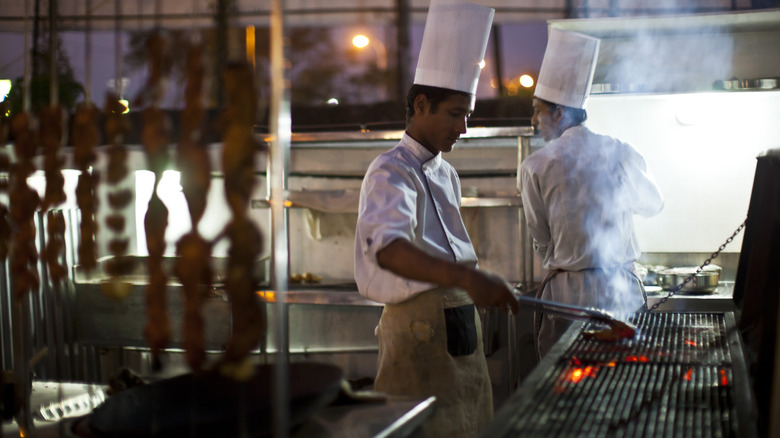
(522, 45)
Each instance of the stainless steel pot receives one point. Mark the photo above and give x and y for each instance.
(705, 281)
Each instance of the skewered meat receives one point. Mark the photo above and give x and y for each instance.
(158, 330)
(116, 169)
(115, 222)
(616, 331)
(85, 141)
(86, 199)
(249, 320)
(157, 49)
(193, 264)
(120, 199)
(23, 129)
(155, 222)
(194, 270)
(192, 116)
(119, 265)
(55, 246)
(117, 127)
(51, 136)
(23, 202)
(85, 134)
(155, 139)
(118, 246)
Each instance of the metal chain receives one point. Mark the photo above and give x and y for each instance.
(709, 260)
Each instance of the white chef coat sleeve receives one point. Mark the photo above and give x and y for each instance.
(649, 199)
(534, 210)
(387, 208)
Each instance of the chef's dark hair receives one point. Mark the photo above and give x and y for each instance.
(435, 96)
(576, 115)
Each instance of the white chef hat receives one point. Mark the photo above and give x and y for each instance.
(567, 68)
(454, 42)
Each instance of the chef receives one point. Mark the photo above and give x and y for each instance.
(412, 251)
(580, 193)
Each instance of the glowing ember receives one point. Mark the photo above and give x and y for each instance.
(637, 359)
(688, 374)
(724, 380)
(691, 343)
(577, 374)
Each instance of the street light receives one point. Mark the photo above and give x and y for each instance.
(526, 81)
(360, 41)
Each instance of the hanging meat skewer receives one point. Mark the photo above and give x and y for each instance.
(119, 198)
(23, 203)
(52, 138)
(155, 139)
(117, 127)
(240, 146)
(85, 141)
(52, 119)
(193, 263)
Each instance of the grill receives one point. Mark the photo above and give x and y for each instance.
(682, 375)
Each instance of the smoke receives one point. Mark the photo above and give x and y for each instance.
(677, 58)
(606, 199)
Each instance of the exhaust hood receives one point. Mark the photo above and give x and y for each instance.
(704, 52)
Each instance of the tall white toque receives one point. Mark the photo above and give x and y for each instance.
(567, 68)
(454, 42)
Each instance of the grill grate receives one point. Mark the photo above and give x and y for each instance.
(675, 378)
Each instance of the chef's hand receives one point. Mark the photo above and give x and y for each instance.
(486, 290)
(490, 290)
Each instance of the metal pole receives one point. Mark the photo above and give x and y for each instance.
(278, 165)
(498, 61)
(404, 54)
(53, 86)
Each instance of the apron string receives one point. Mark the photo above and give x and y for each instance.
(538, 315)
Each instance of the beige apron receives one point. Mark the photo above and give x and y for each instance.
(414, 361)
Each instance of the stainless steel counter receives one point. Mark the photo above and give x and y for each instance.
(57, 407)
(719, 300)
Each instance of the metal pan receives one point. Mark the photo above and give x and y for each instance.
(211, 405)
(705, 281)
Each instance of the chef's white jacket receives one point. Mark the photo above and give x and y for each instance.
(408, 193)
(580, 193)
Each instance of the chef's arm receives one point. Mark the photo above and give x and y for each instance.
(403, 258)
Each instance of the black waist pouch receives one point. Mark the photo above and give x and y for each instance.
(461, 330)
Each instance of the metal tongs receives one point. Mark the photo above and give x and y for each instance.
(617, 328)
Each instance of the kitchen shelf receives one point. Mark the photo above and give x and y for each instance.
(350, 207)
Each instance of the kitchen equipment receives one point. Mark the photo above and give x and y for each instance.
(747, 84)
(681, 375)
(211, 405)
(705, 281)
